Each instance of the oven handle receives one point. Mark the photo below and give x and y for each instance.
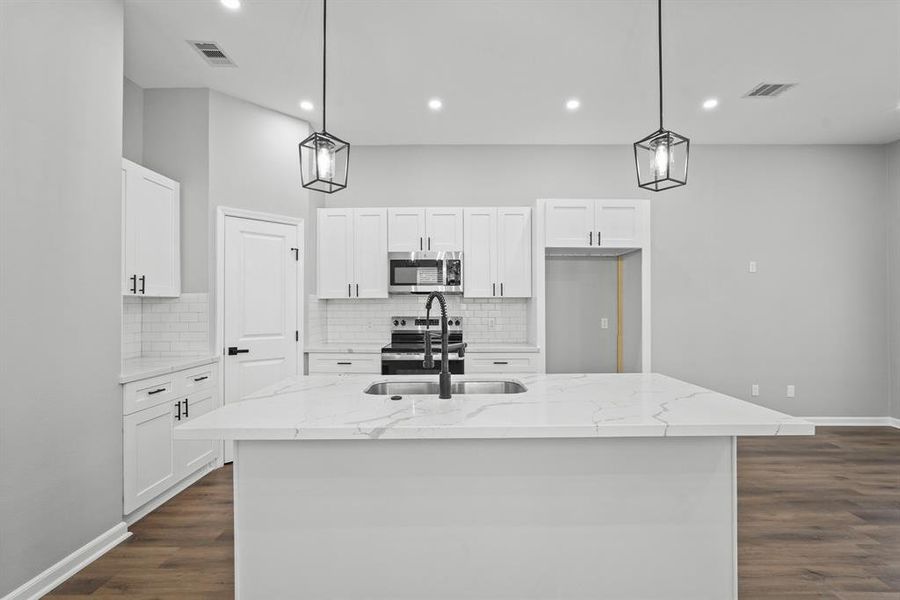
(417, 357)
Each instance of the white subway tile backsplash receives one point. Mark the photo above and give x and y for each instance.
(165, 327)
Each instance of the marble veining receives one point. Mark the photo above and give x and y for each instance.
(332, 407)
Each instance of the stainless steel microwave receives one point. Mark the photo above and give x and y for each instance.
(424, 272)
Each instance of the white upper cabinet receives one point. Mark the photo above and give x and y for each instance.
(435, 229)
(370, 260)
(497, 253)
(514, 252)
(151, 240)
(569, 223)
(444, 229)
(594, 223)
(406, 229)
(352, 253)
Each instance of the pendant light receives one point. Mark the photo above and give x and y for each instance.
(661, 158)
(324, 158)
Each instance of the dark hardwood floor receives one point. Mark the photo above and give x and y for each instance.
(819, 518)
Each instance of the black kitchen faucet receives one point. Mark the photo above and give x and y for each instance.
(446, 346)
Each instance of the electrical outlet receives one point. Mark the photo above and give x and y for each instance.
(754, 390)
(791, 391)
(752, 266)
(492, 323)
(604, 323)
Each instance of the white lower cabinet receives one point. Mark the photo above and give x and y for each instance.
(349, 363)
(517, 362)
(154, 461)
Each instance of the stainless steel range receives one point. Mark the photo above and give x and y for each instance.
(406, 352)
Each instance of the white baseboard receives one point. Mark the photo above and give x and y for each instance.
(143, 511)
(855, 421)
(61, 571)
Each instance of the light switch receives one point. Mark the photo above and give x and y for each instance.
(754, 390)
(791, 391)
(604, 323)
(753, 266)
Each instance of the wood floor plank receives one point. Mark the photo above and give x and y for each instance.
(818, 519)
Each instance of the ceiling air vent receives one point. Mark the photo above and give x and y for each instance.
(769, 90)
(212, 54)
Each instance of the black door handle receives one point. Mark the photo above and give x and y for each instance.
(143, 284)
(133, 279)
(234, 351)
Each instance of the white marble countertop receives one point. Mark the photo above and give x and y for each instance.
(142, 368)
(334, 407)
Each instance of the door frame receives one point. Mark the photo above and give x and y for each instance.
(223, 212)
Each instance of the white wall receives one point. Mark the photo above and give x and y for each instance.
(892, 161)
(60, 295)
(813, 217)
(133, 122)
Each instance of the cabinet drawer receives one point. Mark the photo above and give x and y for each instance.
(501, 363)
(344, 363)
(197, 379)
(145, 393)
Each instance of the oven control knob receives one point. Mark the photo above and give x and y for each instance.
(403, 322)
(457, 322)
(396, 322)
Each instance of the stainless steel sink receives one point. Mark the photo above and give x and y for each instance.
(400, 388)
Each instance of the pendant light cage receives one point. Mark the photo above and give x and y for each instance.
(661, 160)
(324, 162)
(324, 158)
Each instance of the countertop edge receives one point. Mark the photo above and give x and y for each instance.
(176, 365)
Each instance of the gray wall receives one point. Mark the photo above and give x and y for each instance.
(632, 317)
(892, 161)
(60, 296)
(133, 122)
(813, 217)
(176, 144)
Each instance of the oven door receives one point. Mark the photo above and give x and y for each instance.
(411, 364)
(425, 272)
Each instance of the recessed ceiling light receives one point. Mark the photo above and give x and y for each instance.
(573, 104)
(306, 105)
(710, 103)
(435, 104)
(231, 4)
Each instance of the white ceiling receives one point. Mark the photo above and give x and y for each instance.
(504, 68)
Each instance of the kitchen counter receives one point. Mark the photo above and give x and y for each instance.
(603, 486)
(142, 368)
(328, 407)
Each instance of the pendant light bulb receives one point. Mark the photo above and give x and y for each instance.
(325, 159)
(663, 157)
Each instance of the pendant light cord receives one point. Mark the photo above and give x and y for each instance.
(324, 52)
(659, 22)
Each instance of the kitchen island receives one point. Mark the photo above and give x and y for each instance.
(583, 486)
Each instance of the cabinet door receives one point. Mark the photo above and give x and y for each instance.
(444, 229)
(335, 252)
(406, 229)
(152, 236)
(190, 455)
(619, 223)
(480, 253)
(514, 252)
(149, 466)
(568, 224)
(370, 253)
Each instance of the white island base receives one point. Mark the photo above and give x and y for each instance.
(611, 518)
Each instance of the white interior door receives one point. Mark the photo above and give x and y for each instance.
(444, 227)
(261, 306)
(406, 229)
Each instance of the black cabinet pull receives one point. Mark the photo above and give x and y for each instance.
(178, 416)
(156, 391)
(501, 288)
(201, 378)
(234, 351)
(421, 246)
(590, 238)
(429, 242)
(501, 362)
(349, 295)
(185, 408)
(598, 238)
(344, 363)
(133, 279)
(143, 284)
(493, 289)
(357, 290)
